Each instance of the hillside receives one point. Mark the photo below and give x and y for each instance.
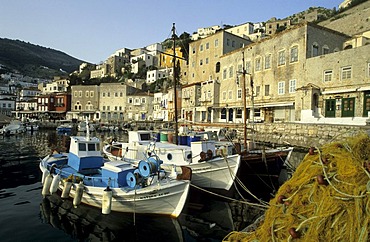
(351, 21)
(35, 61)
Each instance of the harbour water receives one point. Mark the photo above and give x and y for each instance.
(26, 216)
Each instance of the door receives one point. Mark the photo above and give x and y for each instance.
(348, 107)
(330, 108)
(231, 115)
(366, 104)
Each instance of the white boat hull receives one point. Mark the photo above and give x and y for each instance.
(216, 173)
(165, 196)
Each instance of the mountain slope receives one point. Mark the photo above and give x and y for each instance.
(35, 61)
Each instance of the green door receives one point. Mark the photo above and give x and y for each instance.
(366, 103)
(330, 108)
(348, 107)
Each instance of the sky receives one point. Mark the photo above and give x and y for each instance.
(92, 30)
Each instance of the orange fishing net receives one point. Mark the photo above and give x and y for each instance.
(327, 198)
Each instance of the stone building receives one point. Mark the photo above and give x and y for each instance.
(113, 101)
(274, 68)
(139, 106)
(205, 68)
(84, 102)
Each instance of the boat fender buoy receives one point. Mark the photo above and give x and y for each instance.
(66, 189)
(78, 195)
(47, 184)
(107, 201)
(55, 183)
(45, 173)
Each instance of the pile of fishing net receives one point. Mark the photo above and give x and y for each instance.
(326, 199)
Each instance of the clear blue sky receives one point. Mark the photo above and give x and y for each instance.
(91, 30)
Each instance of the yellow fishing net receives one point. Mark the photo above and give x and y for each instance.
(327, 198)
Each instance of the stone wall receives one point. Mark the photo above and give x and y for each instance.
(303, 135)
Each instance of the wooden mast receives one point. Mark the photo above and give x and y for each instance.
(244, 105)
(175, 81)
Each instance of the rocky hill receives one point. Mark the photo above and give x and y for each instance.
(33, 60)
(351, 21)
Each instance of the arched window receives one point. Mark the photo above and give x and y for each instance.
(218, 67)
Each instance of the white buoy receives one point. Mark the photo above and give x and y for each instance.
(107, 201)
(45, 173)
(78, 195)
(55, 184)
(47, 184)
(66, 189)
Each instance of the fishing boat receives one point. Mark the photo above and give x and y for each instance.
(13, 128)
(84, 175)
(65, 126)
(211, 167)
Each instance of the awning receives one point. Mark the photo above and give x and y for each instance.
(364, 89)
(340, 91)
(278, 104)
(199, 109)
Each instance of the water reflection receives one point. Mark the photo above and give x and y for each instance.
(89, 224)
(204, 218)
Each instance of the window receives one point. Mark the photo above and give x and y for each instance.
(281, 88)
(315, 50)
(258, 90)
(239, 113)
(328, 75)
(218, 67)
(87, 93)
(82, 147)
(216, 42)
(103, 94)
(193, 50)
(91, 147)
(207, 60)
(292, 86)
(248, 67)
(143, 100)
(224, 95)
(258, 64)
(201, 62)
(75, 94)
(346, 73)
(207, 46)
(268, 61)
(294, 54)
(239, 93)
(231, 71)
(233, 43)
(223, 113)
(267, 90)
(91, 93)
(281, 58)
(80, 93)
(224, 74)
(108, 94)
(228, 42)
(201, 47)
(325, 50)
(230, 95)
(130, 100)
